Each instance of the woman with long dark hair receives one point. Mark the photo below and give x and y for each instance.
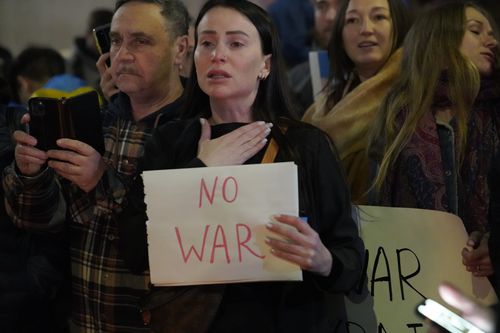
(237, 79)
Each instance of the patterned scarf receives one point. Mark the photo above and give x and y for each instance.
(417, 177)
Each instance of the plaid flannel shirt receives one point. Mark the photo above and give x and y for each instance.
(106, 296)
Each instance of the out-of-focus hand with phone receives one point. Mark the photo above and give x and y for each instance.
(474, 317)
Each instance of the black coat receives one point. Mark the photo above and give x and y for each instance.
(315, 305)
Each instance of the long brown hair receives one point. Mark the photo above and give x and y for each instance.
(341, 66)
(431, 47)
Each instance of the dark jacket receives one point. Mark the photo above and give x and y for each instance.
(494, 220)
(315, 305)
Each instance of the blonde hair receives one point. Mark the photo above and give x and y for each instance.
(431, 47)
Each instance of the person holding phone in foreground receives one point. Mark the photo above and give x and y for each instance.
(481, 316)
(238, 79)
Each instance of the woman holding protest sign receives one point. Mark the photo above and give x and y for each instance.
(238, 80)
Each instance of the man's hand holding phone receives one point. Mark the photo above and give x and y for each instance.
(29, 160)
(107, 82)
(78, 162)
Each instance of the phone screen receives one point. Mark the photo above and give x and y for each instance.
(102, 40)
(446, 318)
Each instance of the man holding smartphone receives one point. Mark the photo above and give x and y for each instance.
(148, 41)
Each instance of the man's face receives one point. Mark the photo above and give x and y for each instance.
(324, 16)
(143, 53)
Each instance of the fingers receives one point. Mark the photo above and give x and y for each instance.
(73, 155)
(30, 155)
(26, 154)
(477, 261)
(101, 63)
(288, 227)
(292, 253)
(65, 169)
(295, 222)
(253, 147)
(84, 171)
(299, 244)
(474, 239)
(291, 246)
(455, 298)
(252, 138)
(255, 131)
(24, 138)
(470, 257)
(25, 118)
(432, 326)
(232, 148)
(77, 146)
(107, 82)
(483, 268)
(473, 311)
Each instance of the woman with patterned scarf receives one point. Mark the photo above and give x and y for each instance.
(364, 61)
(438, 128)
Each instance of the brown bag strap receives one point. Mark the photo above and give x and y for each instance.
(272, 149)
(271, 152)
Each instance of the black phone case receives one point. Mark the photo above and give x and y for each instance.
(103, 42)
(44, 122)
(76, 118)
(86, 125)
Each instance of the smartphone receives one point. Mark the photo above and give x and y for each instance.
(446, 319)
(84, 122)
(102, 40)
(77, 117)
(44, 122)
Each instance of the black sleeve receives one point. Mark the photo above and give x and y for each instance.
(494, 220)
(333, 219)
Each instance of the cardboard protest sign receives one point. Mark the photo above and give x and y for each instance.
(207, 225)
(409, 252)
